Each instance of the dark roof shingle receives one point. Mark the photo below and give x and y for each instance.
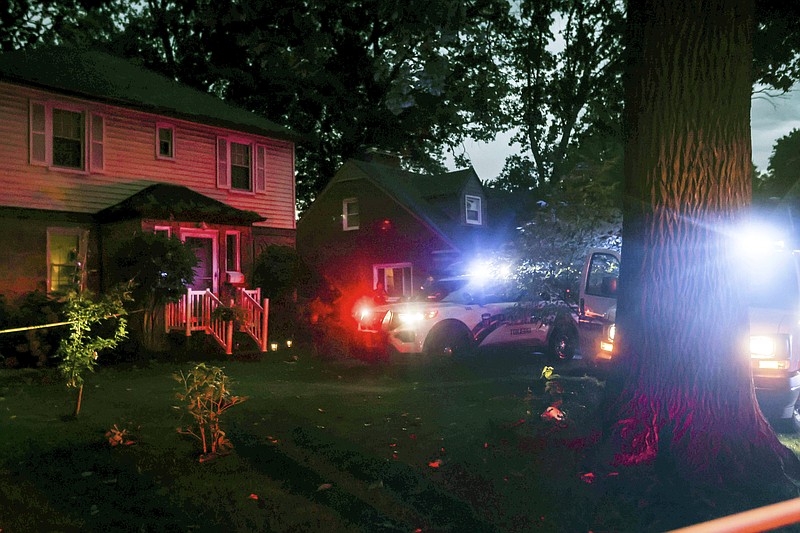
(109, 79)
(175, 202)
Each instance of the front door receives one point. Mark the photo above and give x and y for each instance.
(204, 247)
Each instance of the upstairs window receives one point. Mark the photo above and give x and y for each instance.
(241, 165)
(64, 137)
(473, 210)
(68, 139)
(165, 141)
(350, 217)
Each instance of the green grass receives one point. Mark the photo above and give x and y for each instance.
(329, 446)
(319, 446)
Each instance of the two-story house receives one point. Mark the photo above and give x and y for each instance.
(375, 223)
(95, 148)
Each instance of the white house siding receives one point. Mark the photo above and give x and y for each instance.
(131, 163)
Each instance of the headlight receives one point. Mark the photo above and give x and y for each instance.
(769, 346)
(411, 318)
(607, 342)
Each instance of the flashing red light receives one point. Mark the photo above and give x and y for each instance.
(364, 313)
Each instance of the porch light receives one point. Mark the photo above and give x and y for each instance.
(273, 346)
(289, 343)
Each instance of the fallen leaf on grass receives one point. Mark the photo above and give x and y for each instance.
(435, 464)
(324, 486)
(253, 496)
(320, 409)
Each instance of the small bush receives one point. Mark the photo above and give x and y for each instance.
(36, 347)
(205, 395)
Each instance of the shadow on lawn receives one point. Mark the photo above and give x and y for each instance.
(412, 498)
(88, 488)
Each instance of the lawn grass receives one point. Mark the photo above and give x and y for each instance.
(319, 446)
(400, 445)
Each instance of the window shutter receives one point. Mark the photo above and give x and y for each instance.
(261, 168)
(38, 136)
(223, 174)
(97, 146)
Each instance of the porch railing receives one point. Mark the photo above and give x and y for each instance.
(256, 315)
(194, 312)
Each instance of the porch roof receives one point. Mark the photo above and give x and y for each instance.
(175, 202)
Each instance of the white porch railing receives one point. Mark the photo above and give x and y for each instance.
(193, 312)
(256, 315)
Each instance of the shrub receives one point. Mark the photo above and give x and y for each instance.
(32, 348)
(160, 268)
(206, 395)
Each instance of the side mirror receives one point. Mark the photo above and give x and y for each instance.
(609, 286)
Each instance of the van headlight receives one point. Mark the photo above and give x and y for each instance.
(769, 346)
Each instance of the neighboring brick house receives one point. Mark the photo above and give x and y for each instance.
(376, 223)
(95, 148)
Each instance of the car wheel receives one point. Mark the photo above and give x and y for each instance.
(450, 340)
(563, 343)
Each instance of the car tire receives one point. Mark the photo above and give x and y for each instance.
(450, 339)
(563, 342)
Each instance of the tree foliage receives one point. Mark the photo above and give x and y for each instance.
(551, 246)
(783, 170)
(95, 324)
(160, 268)
(411, 77)
(565, 59)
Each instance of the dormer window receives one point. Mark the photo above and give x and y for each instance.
(350, 219)
(473, 210)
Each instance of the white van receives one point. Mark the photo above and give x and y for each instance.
(774, 310)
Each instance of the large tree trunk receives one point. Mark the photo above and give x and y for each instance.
(683, 405)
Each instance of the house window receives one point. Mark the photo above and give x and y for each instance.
(61, 137)
(473, 210)
(65, 256)
(396, 279)
(240, 166)
(232, 257)
(350, 218)
(165, 141)
(164, 231)
(68, 138)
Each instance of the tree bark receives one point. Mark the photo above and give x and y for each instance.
(682, 404)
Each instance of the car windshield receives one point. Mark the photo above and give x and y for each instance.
(773, 282)
(476, 293)
(439, 289)
(465, 290)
